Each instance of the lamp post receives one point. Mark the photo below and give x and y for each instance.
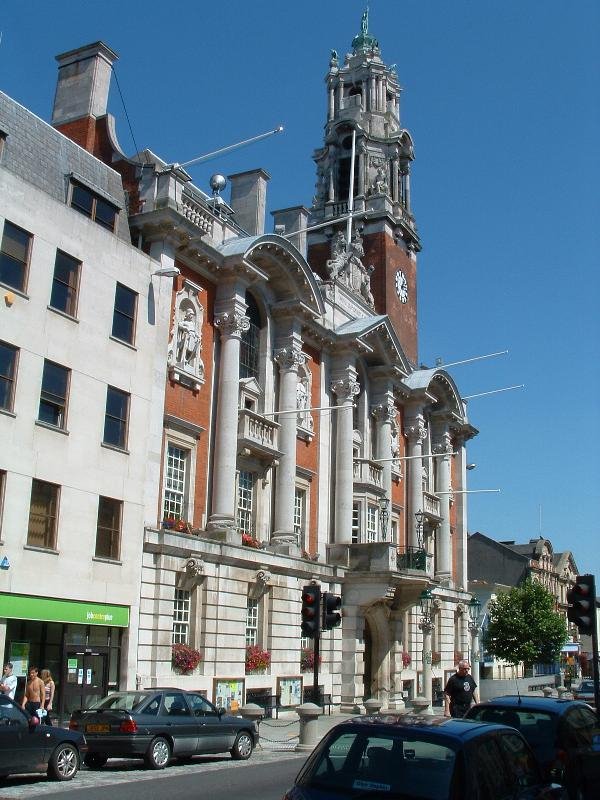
(474, 610)
(426, 626)
(384, 516)
(419, 518)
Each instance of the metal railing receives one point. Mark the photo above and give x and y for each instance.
(411, 558)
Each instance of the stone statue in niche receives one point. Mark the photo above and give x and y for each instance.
(188, 338)
(380, 185)
(347, 266)
(184, 354)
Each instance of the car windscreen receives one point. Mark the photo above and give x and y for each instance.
(399, 765)
(119, 701)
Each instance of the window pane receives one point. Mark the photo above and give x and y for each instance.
(53, 397)
(245, 498)
(14, 256)
(105, 214)
(115, 422)
(42, 514)
(124, 313)
(174, 504)
(108, 532)
(82, 200)
(8, 362)
(64, 284)
(181, 617)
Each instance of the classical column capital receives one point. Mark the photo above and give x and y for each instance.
(415, 430)
(232, 325)
(345, 389)
(289, 358)
(384, 412)
(443, 443)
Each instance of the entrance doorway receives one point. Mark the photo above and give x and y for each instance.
(84, 676)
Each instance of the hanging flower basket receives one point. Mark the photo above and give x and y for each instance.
(307, 659)
(406, 659)
(257, 659)
(250, 541)
(184, 658)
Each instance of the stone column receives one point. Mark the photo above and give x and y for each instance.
(331, 102)
(396, 638)
(345, 387)
(353, 652)
(362, 171)
(460, 570)
(427, 628)
(443, 447)
(289, 359)
(416, 433)
(372, 95)
(231, 324)
(339, 95)
(395, 179)
(384, 414)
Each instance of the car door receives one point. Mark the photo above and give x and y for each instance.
(524, 774)
(579, 736)
(487, 775)
(22, 748)
(215, 735)
(179, 723)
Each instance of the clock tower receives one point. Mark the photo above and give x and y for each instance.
(363, 118)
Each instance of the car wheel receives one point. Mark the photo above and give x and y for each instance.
(64, 762)
(159, 753)
(242, 747)
(95, 760)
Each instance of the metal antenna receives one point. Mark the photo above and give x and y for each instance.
(230, 147)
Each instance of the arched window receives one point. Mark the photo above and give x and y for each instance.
(250, 343)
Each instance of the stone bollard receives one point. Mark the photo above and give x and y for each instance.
(421, 705)
(253, 712)
(564, 693)
(309, 714)
(548, 691)
(373, 706)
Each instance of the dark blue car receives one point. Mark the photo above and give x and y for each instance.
(28, 746)
(563, 734)
(409, 757)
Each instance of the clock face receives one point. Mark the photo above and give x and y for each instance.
(401, 286)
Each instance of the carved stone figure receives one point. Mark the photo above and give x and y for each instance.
(188, 338)
(184, 354)
(339, 258)
(380, 185)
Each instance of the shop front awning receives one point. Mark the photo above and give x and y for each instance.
(49, 609)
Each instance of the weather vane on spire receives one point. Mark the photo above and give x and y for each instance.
(364, 25)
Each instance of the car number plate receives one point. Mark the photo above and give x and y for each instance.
(97, 728)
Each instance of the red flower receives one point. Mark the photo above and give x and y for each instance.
(257, 658)
(250, 541)
(184, 658)
(307, 659)
(406, 659)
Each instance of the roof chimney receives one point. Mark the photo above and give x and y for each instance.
(249, 199)
(292, 220)
(82, 89)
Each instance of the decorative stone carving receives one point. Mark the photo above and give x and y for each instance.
(289, 358)
(443, 444)
(232, 324)
(303, 395)
(345, 389)
(194, 567)
(184, 354)
(380, 184)
(415, 430)
(384, 412)
(346, 266)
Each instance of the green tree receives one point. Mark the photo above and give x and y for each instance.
(523, 626)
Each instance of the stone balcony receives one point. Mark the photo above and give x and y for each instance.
(258, 435)
(431, 507)
(368, 475)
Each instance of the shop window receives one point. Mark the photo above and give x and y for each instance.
(108, 529)
(175, 488)
(93, 206)
(245, 502)
(181, 617)
(43, 515)
(116, 418)
(65, 284)
(53, 395)
(9, 357)
(14, 256)
(123, 326)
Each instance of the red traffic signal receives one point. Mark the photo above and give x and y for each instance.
(581, 598)
(311, 610)
(332, 616)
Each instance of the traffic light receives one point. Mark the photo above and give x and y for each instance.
(311, 610)
(331, 613)
(581, 598)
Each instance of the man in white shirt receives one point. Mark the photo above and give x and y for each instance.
(9, 681)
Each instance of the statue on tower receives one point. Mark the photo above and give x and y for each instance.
(364, 23)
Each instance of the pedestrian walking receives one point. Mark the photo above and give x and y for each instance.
(49, 689)
(460, 691)
(33, 699)
(9, 681)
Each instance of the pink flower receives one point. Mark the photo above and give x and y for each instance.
(184, 658)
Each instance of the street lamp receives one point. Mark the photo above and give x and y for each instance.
(426, 601)
(166, 272)
(474, 611)
(419, 518)
(384, 515)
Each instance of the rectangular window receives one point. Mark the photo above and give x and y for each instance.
(356, 526)
(372, 517)
(245, 502)
(249, 351)
(123, 326)
(43, 515)
(93, 206)
(14, 256)
(181, 617)
(116, 418)
(108, 529)
(2, 490)
(53, 396)
(175, 483)
(65, 283)
(8, 374)
(299, 514)
(252, 622)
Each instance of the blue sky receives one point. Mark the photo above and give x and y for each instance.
(502, 101)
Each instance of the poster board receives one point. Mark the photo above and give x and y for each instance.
(289, 691)
(228, 693)
(19, 658)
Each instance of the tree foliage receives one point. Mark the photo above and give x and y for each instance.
(523, 626)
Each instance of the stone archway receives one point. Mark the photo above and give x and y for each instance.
(377, 653)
